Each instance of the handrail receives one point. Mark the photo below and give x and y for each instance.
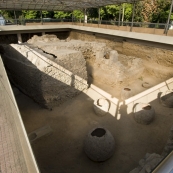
(166, 165)
(96, 23)
(108, 22)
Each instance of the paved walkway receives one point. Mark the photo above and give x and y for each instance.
(11, 157)
(15, 152)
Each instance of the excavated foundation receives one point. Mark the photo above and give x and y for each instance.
(53, 71)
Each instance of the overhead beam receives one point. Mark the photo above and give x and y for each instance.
(66, 5)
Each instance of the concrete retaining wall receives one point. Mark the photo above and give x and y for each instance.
(46, 82)
(148, 95)
(117, 105)
(15, 143)
(96, 93)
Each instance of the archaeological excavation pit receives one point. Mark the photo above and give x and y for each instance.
(68, 75)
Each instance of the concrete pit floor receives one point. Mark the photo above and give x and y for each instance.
(62, 151)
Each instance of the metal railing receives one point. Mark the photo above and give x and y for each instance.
(97, 22)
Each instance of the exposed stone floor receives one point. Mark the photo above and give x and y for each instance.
(62, 152)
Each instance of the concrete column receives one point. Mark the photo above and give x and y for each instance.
(41, 18)
(72, 17)
(99, 17)
(15, 18)
(119, 15)
(167, 25)
(19, 37)
(122, 18)
(132, 16)
(85, 16)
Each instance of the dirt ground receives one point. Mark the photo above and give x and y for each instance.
(62, 151)
(135, 85)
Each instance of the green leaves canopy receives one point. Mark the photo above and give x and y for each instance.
(147, 10)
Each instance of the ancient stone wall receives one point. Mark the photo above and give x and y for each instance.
(160, 56)
(151, 161)
(103, 63)
(158, 61)
(46, 82)
(113, 43)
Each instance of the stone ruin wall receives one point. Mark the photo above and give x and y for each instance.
(160, 60)
(103, 63)
(151, 161)
(110, 42)
(100, 57)
(46, 82)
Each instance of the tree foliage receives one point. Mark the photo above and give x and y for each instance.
(145, 11)
(78, 14)
(61, 14)
(161, 14)
(30, 14)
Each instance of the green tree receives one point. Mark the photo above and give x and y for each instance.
(92, 13)
(110, 12)
(128, 13)
(162, 12)
(47, 14)
(62, 15)
(78, 14)
(30, 14)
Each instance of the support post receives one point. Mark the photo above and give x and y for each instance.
(72, 17)
(122, 19)
(19, 37)
(99, 17)
(133, 13)
(85, 16)
(41, 17)
(15, 17)
(167, 25)
(119, 15)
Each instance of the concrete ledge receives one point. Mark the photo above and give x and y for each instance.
(144, 97)
(22, 148)
(125, 34)
(96, 93)
(148, 95)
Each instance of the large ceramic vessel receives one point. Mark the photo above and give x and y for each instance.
(166, 98)
(99, 144)
(143, 113)
(101, 106)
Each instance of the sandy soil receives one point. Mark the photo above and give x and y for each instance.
(135, 85)
(62, 151)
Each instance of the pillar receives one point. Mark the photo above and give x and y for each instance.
(133, 13)
(167, 25)
(19, 37)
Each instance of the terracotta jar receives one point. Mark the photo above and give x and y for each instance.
(101, 106)
(99, 144)
(166, 98)
(143, 113)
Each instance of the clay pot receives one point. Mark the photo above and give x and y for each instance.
(126, 93)
(166, 98)
(101, 106)
(143, 113)
(99, 144)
